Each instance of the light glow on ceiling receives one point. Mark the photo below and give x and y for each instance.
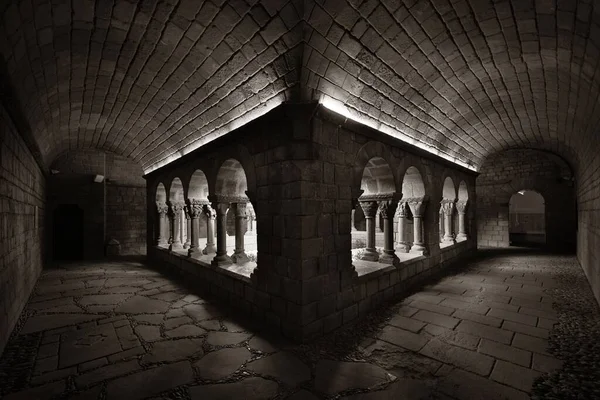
(258, 111)
(340, 108)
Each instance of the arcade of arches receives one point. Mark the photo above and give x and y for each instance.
(301, 162)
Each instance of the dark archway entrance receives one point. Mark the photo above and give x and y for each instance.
(67, 232)
(527, 219)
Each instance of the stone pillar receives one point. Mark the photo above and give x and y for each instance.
(369, 207)
(221, 258)
(448, 208)
(352, 225)
(441, 224)
(387, 209)
(162, 210)
(188, 230)
(417, 207)
(403, 245)
(194, 210)
(239, 254)
(211, 214)
(176, 209)
(461, 207)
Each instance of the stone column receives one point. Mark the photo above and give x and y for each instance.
(188, 226)
(163, 211)
(194, 210)
(370, 210)
(221, 258)
(448, 208)
(176, 209)
(403, 245)
(239, 254)
(352, 225)
(387, 209)
(211, 214)
(461, 207)
(417, 207)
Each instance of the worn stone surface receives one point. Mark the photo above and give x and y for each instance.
(282, 366)
(249, 388)
(334, 376)
(222, 363)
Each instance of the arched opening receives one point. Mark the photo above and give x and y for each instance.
(374, 207)
(161, 225)
(178, 231)
(67, 232)
(407, 227)
(446, 214)
(527, 219)
(236, 242)
(200, 219)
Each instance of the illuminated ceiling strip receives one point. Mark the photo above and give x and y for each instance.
(254, 113)
(340, 108)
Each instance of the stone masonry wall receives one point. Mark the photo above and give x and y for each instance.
(507, 172)
(117, 214)
(22, 207)
(300, 164)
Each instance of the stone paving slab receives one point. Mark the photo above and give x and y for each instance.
(482, 333)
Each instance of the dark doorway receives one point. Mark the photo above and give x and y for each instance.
(527, 214)
(67, 233)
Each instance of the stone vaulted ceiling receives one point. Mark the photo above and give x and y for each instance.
(154, 79)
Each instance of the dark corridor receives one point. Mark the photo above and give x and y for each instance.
(67, 234)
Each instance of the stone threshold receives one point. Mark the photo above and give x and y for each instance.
(368, 270)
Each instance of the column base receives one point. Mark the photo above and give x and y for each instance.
(209, 249)
(186, 245)
(403, 248)
(370, 255)
(175, 246)
(391, 259)
(239, 258)
(220, 261)
(449, 240)
(418, 249)
(194, 252)
(461, 237)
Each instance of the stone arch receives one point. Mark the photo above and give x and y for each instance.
(245, 165)
(448, 189)
(377, 177)
(198, 186)
(365, 154)
(412, 183)
(463, 191)
(176, 190)
(161, 193)
(231, 179)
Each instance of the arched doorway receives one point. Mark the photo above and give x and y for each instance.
(67, 232)
(527, 219)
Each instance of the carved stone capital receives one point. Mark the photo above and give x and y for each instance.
(369, 208)
(221, 208)
(240, 210)
(403, 209)
(461, 206)
(162, 208)
(417, 205)
(218, 198)
(387, 208)
(447, 207)
(210, 212)
(195, 207)
(176, 206)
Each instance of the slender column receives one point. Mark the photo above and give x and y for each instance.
(403, 245)
(176, 208)
(162, 210)
(448, 208)
(441, 224)
(251, 217)
(221, 258)
(387, 209)
(370, 210)
(417, 207)
(211, 214)
(352, 225)
(461, 207)
(194, 210)
(239, 254)
(188, 227)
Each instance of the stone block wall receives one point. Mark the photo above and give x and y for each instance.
(113, 209)
(302, 165)
(22, 208)
(507, 172)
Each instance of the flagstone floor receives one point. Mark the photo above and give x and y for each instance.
(123, 330)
